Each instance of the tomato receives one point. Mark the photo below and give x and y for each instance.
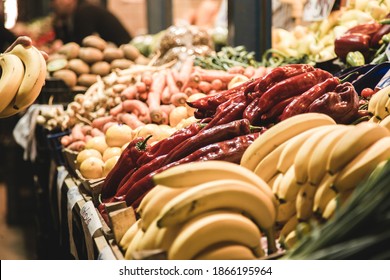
(367, 93)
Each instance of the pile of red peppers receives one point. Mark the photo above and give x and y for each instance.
(228, 123)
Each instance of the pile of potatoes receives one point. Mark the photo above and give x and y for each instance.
(80, 65)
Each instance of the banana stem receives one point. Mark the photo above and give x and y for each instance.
(271, 242)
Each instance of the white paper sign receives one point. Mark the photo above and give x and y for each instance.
(90, 217)
(73, 196)
(316, 10)
(106, 254)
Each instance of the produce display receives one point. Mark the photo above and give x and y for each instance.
(220, 156)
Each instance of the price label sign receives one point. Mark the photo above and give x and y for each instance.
(106, 254)
(73, 196)
(316, 10)
(90, 217)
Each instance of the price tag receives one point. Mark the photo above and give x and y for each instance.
(90, 217)
(73, 196)
(62, 173)
(106, 254)
(316, 10)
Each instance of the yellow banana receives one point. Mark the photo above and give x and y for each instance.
(274, 184)
(133, 244)
(33, 80)
(266, 168)
(149, 195)
(226, 251)
(290, 240)
(279, 134)
(288, 186)
(385, 122)
(361, 167)
(158, 238)
(12, 73)
(129, 235)
(157, 202)
(304, 202)
(381, 110)
(316, 169)
(323, 195)
(215, 227)
(372, 103)
(195, 173)
(287, 157)
(289, 226)
(228, 194)
(285, 212)
(353, 143)
(304, 153)
(330, 209)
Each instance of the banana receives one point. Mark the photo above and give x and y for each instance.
(267, 168)
(385, 122)
(279, 134)
(316, 169)
(33, 79)
(211, 228)
(274, 184)
(157, 202)
(353, 143)
(12, 73)
(195, 173)
(230, 194)
(290, 240)
(129, 235)
(288, 186)
(149, 195)
(289, 226)
(304, 202)
(372, 103)
(285, 212)
(373, 119)
(330, 209)
(323, 195)
(226, 251)
(158, 238)
(381, 110)
(287, 157)
(361, 167)
(133, 244)
(301, 160)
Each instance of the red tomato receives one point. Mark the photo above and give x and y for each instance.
(367, 93)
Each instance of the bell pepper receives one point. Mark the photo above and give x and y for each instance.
(355, 59)
(351, 42)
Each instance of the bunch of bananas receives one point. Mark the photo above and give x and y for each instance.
(379, 107)
(205, 210)
(313, 164)
(22, 78)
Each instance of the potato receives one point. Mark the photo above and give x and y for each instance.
(102, 68)
(94, 41)
(122, 63)
(90, 55)
(68, 76)
(109, 54)
(78, 66)
(130, 51)
(142, 60)
(86, 80)
(57, 64)
(70, 50)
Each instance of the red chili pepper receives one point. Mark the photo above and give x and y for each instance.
(208, 136)
(251, 112)
(377, 37)
(352, 42)
(228, 150)
(232, 112)
(291, 87)
(342, 104)
(279, 74)
(301, 104)
(272, 116)
(166, 145)
(126, 162)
